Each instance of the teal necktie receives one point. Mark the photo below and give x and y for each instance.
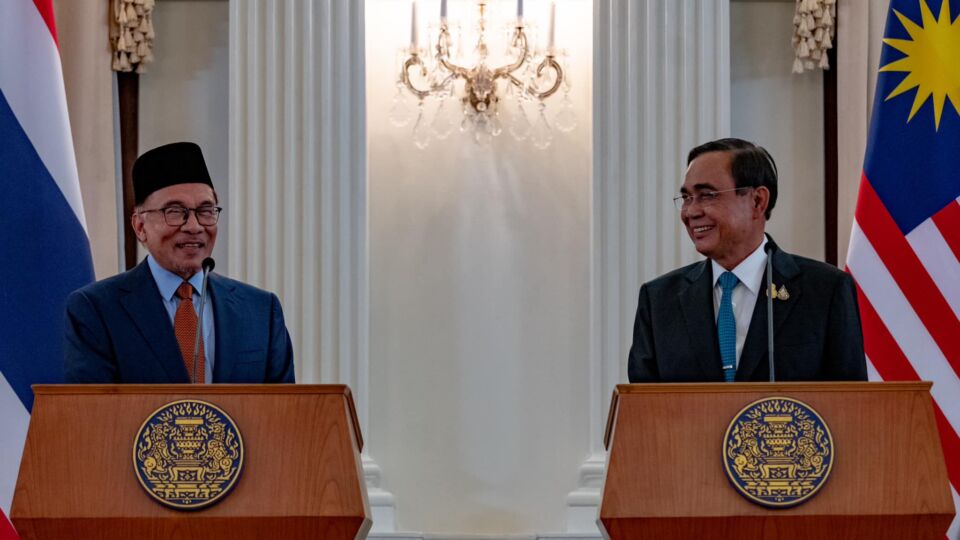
(727, 326)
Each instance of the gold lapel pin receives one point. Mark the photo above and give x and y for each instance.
(779, 294)
(783, 294)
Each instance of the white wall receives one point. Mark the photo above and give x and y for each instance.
(183, 95)
(782, 112)
(479, 260)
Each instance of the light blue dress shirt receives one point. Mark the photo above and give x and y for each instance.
(168, 282)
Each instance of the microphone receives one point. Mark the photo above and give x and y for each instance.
(768, 248)
(206, 267)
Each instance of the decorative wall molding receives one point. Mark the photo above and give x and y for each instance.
(661, 85)
(297, 217)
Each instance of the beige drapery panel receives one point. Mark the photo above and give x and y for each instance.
(86, 56)
(860, 25)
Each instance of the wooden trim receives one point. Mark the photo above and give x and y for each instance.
(612, 416)
(726, 388)
(128, 92)
(351, 408)
(830, 159)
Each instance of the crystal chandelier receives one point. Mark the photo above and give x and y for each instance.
(463, 80)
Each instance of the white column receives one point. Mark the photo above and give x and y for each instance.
(661, 86)
(297, 213)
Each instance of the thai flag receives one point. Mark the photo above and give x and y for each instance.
(44, 251)
(905, 246)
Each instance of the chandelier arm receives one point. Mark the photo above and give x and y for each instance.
(518, 63)
(453, 68)
(448, 79)
(513, 80)
(549, 63)
(413, 61)
(443, 55)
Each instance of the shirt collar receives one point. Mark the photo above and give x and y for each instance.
(749, 271)
(168, 282)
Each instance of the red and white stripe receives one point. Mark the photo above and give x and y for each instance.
(909, 292)
(14, 419)
(31, 79)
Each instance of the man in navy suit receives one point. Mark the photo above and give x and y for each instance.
(708, 321)
(140, 326)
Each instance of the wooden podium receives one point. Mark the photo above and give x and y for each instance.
(666, 479)
(301, 477)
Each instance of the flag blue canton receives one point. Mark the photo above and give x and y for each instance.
(905, 160)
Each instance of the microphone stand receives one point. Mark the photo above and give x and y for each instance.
(206, 268)
(769, 249)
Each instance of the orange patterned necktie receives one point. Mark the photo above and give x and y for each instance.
(185, 328)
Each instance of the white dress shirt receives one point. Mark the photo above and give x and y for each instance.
(750, 273)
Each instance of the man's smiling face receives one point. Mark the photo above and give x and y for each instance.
(182, 249)
(729, 228)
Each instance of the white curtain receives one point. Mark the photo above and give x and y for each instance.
(85, 55)
(860, 25)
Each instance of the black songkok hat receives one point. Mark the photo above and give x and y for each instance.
(168, 165)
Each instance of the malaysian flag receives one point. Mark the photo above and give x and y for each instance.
(43, 241)
(905, 246)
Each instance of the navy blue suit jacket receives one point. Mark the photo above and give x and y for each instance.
(817, 335)
(118, 331)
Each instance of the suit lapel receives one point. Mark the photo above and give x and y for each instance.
(226, 313)
(785, 272)
(141, 300)
(696, 304)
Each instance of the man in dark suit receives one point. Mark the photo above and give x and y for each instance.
(708, 321)
(140, 326)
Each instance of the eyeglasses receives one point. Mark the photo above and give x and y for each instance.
(703, 198)
(177, 216)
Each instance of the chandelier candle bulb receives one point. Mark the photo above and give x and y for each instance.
(413, 26)
(553, 27)
(443, 10)
(519, 9)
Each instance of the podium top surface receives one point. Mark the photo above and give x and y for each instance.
(722, 387)
(205, 390)
(753, 388)
(60, 389)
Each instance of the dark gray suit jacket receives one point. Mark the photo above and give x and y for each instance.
(817, 335)
(117, 331)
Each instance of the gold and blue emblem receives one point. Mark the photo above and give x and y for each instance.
(778, 452)
(188, 454)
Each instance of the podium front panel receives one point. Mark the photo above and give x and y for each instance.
(665, 473)
(301, 477)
